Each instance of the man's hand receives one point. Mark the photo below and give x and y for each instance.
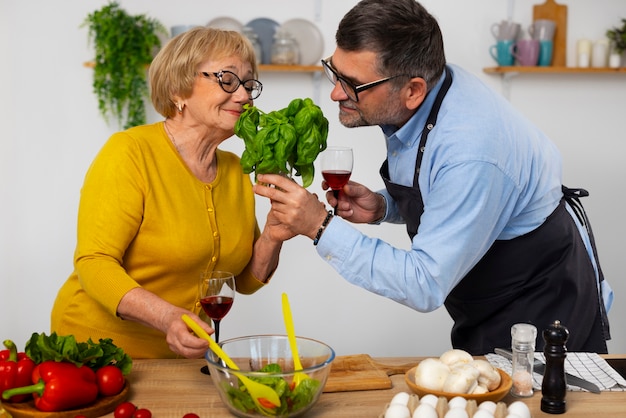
(357, 203)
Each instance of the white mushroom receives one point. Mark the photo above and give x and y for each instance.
(480, 389)
(462, 379)
(431, 374)
(456, 356)
(489, 376)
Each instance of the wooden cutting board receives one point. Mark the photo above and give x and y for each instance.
(361, 372)
(558, 13)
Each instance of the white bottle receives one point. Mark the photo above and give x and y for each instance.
(583, 53)
(523, 337)
(600, 54)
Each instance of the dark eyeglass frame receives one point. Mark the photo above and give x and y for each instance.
(254, 91)
(348, 87)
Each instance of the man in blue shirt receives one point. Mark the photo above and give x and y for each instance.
(493, 238)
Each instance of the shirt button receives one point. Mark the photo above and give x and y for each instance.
(215, 234)
(329, 257)
(210, 210)
(214, 259)
(208, 187)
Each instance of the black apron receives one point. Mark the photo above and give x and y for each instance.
(536, 278)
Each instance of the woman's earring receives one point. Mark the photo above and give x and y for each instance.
(180, 107)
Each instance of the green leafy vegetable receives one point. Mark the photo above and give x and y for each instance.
(283, 140)
(292, 398)
(42, 347)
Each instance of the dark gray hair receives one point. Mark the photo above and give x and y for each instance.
(405, 37)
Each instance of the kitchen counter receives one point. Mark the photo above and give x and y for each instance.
(171, 388)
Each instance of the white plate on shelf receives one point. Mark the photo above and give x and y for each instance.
(265, 29)
(225, 23)
(309, 38)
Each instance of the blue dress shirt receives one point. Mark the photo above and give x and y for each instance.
(487, 174)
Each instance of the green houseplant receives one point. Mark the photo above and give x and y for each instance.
(124, 47)
(617, 35)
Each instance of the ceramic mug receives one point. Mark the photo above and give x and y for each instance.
(545, 52)
(542, 29)
(501, 52)
(526, 51)
(505, 30)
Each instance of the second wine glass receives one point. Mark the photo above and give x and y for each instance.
(336, 164)
(217, 293)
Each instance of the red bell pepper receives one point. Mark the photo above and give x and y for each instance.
(59, 386)
(16, 370)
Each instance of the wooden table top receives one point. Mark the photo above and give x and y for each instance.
(172, 388)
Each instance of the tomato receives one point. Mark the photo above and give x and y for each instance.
(265, 403)
(125, 410)
(191, 415)
(110, 380)
(142, 413)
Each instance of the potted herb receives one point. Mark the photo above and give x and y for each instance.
(124, 47)
(617, 36)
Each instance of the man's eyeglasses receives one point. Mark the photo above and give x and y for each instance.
(348, 87)
(230, 82)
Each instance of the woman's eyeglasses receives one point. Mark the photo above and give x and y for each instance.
(230, 82)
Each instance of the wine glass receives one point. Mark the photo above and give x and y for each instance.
(217, 292)
(336, 163)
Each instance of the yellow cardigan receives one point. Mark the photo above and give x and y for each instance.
(145, 220)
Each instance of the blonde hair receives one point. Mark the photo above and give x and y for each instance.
(174, 69)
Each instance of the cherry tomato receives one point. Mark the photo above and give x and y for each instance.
(191, 415)
(110, 380)
(125, 410)
(266, 403)
(142, 413)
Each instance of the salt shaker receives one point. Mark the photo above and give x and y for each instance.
(523, 338)
(554, 386)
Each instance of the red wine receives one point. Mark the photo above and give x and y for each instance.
(216, 307)
(336, 179)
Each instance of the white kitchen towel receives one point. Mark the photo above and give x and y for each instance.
(589, 366)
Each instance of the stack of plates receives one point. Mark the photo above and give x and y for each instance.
(309, 38)
(306, 34)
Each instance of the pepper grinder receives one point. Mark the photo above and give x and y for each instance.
(554, 386)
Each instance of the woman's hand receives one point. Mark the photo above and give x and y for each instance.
(181, 340)
(294, 211)
(144, 307)
(357, 203)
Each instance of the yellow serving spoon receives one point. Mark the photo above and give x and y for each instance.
(257, 390)
(291, 334)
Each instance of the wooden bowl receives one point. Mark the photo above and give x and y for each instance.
(102, 406)
(495, 395)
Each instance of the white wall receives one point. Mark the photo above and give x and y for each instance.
(51, 130)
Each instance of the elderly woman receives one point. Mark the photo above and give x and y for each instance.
(162, 203)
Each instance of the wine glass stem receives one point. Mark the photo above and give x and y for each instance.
(336, 194)
(216, 323)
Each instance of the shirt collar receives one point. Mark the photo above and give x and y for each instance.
(412, 130)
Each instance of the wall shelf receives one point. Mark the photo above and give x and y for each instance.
(552, 70)
(507, 73)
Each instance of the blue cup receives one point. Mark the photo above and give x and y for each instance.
(545, 53)
(502, 52)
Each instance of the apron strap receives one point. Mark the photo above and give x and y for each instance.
(572, 198)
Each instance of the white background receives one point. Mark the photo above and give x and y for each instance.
(51, 129)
